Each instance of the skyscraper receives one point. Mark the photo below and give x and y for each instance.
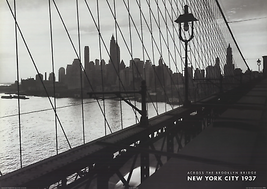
(73, 75)
(229, 55)
(52, 77)
(61, 75)
(217, 68)
(229, 66)
(114, 52)
(114, 60)
(86, 56)
(214, 72)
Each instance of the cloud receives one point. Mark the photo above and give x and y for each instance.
(31, 4)
(241, 9)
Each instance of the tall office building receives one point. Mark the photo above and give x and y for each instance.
(199, 74)
(39, 77)
(114, 52)
(229, 66)
(61, 75)
(229, 55)
(114, 60)
(214, 72)
(217, 68)
(52, 77)
(86, 56)
(73, 75)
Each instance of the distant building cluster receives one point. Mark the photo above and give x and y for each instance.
(115, 75)
(98, 75)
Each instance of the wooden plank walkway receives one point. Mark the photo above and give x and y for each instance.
(231, 154)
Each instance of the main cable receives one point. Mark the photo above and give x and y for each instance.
(233, 37)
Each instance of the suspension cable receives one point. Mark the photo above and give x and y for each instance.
(17, 65)
(228, 26)
(143, 74)
(139, 35)
(71, 41)
(168, 46)
(161, 53)
(43, 110)
(81, 74)
(158, 48)
(153, 56)
(118, 55)
(105, 46)
(35, 66)
(142, 38)
(131, 52)
(101, 65)
(53, 70)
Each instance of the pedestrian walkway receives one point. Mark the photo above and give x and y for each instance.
(230, 154)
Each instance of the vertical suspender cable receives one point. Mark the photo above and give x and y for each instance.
(173, 33)
(168, 46)
(131, 52)
(117, 51)
(155, 43)
(153, 53)
(17, 64)
(160, 40)
(94, 21)
(175, 48)
(161, 58)
(209, 21)
(53, 70)
(119, 29)
(81, 73)
(142, 40)
(101, 65)
(35, 66)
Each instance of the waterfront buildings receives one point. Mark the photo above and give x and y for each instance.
(97, 75)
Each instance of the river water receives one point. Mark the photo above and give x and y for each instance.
(38, 128)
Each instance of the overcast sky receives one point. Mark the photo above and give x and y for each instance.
(248, 20)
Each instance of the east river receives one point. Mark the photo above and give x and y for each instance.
(38, 128)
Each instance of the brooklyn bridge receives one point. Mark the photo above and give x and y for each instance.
(174, 54)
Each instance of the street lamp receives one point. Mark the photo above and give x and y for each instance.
(259, 63)
(185, 20)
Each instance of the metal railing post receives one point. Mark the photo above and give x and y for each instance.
(144, 118)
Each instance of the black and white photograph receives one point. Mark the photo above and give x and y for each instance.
(133, 94)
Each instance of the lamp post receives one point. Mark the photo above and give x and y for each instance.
(259, 64)
(186, 20)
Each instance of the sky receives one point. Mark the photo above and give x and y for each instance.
(247, 18)
(248, 21)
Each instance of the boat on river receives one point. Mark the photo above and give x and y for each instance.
(14, 96)
(7, 97)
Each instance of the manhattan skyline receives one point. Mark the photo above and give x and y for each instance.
(247, 20)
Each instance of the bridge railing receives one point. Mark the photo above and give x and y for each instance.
(96, 161)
